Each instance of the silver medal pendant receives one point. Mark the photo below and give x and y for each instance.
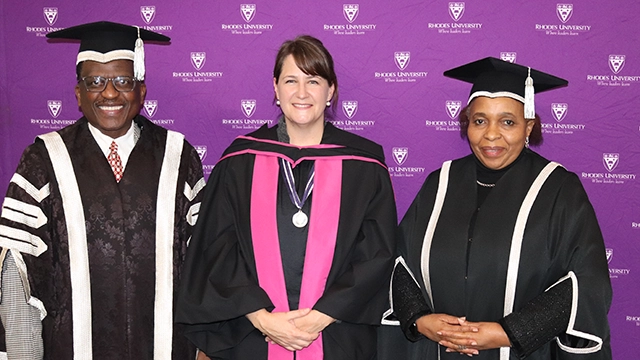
(300, 219)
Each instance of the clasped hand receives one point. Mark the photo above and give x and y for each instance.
(459, 335)
(293, 330)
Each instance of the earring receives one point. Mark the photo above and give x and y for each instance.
(278, 102)
(526, 142)
(328, 103)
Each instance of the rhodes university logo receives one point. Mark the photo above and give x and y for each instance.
(350, 12)
(453, 108)
(148, 13)
(400, 155)
(198, 59)
(564, 12)
(508, 56)
(248, 107)
(50, 14)
(616, 273)
(402, 59)
(248, 11)
(150, 107)
(202, 151)
(349, 108)
(610, 161)
(54, 107)
(456, 10)
(616, 63)
(559, 111)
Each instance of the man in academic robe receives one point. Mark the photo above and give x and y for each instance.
(96, 219)
(249, 253)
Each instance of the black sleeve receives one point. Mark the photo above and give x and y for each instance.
(408, 303)
(573, 311)
(219, 286)
(541, 320)
(358, 294)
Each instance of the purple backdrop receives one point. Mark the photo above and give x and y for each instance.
(214, 83)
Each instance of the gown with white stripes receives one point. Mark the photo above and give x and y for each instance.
(136, 235)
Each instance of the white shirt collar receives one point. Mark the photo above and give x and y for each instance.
(126, 142)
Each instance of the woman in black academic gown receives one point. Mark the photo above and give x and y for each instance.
(294, 244)
(501, 253)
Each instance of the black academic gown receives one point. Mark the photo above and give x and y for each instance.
(221, 286)
(468, 276)
(120, 221)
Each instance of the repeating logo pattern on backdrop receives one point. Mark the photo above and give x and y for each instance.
(564, 13)
(401, 60)
(400, 155)
(150, 108)
(616, 63)
(452, 110)
(559, 113)
(248, 13)
(633, 318)
(51, 122)
(50, 15)
(610, 162)
(198, 60)
(456, 11)
(615, 273)
(564, 28)
(54, 106)
(509, 56)
(148, 14)
(202, 153)
(349, 110)
(350, 14)
(247, 109)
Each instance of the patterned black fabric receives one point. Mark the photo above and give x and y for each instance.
(541, 320)
(120, 221)
(408, 303)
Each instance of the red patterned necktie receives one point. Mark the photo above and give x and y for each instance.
(114, 161)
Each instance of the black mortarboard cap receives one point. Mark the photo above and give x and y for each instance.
(106, 41)
(493, 77)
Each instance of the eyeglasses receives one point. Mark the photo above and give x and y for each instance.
(99, 83)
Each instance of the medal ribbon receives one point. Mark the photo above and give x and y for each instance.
(291, 184)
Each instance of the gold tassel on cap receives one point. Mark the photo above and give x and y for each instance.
(529, 103)
(138, 58)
